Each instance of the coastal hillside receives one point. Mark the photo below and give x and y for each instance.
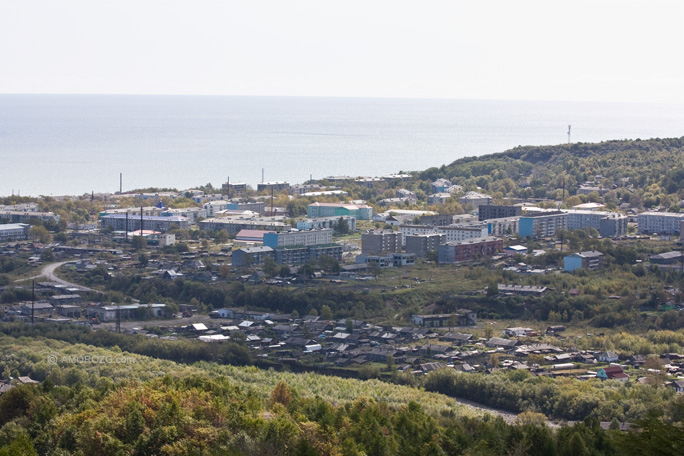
(643, 173)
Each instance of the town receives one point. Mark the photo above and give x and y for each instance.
(295, 236)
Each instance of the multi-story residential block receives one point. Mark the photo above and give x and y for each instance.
(542, 224)
(14, 232)
(147, 211)
(301, 255)
(370, 182)
(234, 188)
(326, 222)
(456, 252)
(275, 187)
(300, 189)
(491, 211)
(503, 226)
(234, 224)
(440, 185)
(408, 195)
(120, 222)
(359, 211)
(252, 256)
(461, 232)
(421, 244)
(591, 260)
(659, 222)
(298, 238)
(438, 198)
(613, 225)
(436, 220)
(213, 208)
(191, 213)
(475, 199)
(381, 242)
(28, 216)
(415, 230)
(389, 260)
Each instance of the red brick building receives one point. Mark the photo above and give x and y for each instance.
(471, 249)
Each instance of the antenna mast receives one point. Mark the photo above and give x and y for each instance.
(569, 127)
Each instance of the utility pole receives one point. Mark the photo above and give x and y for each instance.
(33, 299)
(569, 127)
(118, 317)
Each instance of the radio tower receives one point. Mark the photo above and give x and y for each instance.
(569, 127)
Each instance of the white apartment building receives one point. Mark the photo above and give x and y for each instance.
(458, 233)
(659, 222)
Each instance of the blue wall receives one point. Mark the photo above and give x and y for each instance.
(571, 262)
(271, 240)
(525, 227)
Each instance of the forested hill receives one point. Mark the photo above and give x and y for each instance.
(649, 171)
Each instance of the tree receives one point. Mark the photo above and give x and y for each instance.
(329, 264)
(492, 289)
(494, 360)
(224, 271)
(271, 268)
(143, 261)
(281, 394)
(47, 255)
(349, 325)
(326, 312)
(138, 242)
(40, 234)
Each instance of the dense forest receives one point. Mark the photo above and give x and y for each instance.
(150, 407)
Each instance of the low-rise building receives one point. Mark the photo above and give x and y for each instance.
(671, 259)
(462, 317)
(591, 260)
(612, 373)
(518, 332)
(127, 312)
(515, 250)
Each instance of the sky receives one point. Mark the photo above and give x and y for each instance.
(597, 50)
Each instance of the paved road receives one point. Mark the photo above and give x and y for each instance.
(48, 272)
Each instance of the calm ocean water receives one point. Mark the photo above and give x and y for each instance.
(75, 144)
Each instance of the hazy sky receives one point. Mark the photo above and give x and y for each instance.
(595, 50)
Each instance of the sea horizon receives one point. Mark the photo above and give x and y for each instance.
(72, 144)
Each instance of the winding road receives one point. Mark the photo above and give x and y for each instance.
(48, 272)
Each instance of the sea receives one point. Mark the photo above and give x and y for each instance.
(76, 144)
